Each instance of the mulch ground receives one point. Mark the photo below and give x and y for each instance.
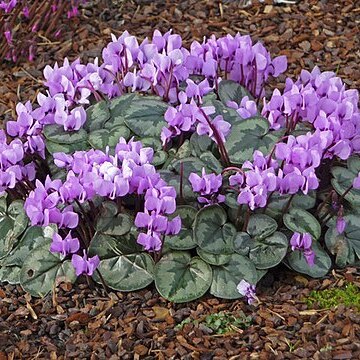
(77, 322)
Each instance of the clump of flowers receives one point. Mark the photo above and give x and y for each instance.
(167, 164)
(21, 22)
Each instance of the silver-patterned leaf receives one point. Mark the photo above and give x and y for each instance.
(269, 252)
(247, 136)
(212, 232)
(227, 277)
(301, 221)
(181, 278)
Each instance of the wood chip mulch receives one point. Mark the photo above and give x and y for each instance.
(79, 323)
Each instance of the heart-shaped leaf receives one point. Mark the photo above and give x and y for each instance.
(115, 225)
(353, 164)
(100, 139)
(230, 115)
(211, 162)
(105, 246)
(145, 116)
(40, 270)
(242, 243)
(200, 144)
(96, 116)
(227, 277)
(269, 252)
(278, 202)
(261, 226)
(232, 91)
(127, 272)
(181, 278)
(247, 136)
(342, 180)
(184, 240)
(57, 134)
(13, 222)
(301, 221)
(212, 232)
(159, 158)
(10, 274)
(118, 108)
(213, 259)
(53, 147)
(190, 164)
(34, 236)
(296, 260)
(345, 246)
(123, 265)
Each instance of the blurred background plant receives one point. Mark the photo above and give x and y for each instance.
(24, 24)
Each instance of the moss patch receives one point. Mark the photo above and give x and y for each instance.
(349, 295)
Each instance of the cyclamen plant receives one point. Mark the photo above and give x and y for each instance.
(21, 21)
(170, 165)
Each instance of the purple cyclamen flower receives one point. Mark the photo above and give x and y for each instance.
(340, 224)
(221, 126)
(247, 290)
(85, 265)
(356, 182)
(302, 242)
(207, 185)
(68, 245)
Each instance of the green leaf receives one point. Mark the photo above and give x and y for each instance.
(211, 231)
(242, 243)
(278, 202)
(227, 277)
(127, 272)
(301, 221)
(13, 222)
(173, 179)
(106, 246)
(119, 106)
(152, 142)
(269, 252)
(232, 91)
(181, 278)
(200, 144)
(247, 136)
(159, 158)
(353, 164)
(53, 147)
(40, 270)
(184, 150)
(296, 260)
(213, 259)
(342, 180)
(57, 134)
(115, 225)
(305, 202)
(33, 237)
(99, 139)
(123, 265)
(230, 115)
(261, 226)
(10, 274)
(211, 162)
(145, 116)
(345, 246)
(190, 164)
(184, 240)
(96, 116)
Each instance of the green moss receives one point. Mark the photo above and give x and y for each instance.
(222, 322)
(349, 295)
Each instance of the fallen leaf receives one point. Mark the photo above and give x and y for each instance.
(160, 313)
